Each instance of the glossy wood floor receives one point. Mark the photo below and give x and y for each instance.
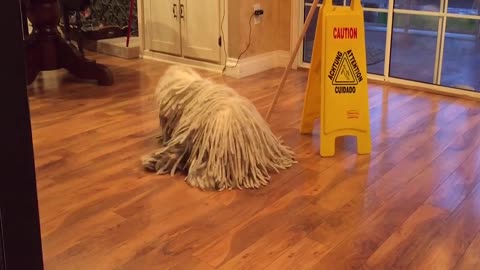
(413, 204)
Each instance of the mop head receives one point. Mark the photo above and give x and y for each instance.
(214, 135)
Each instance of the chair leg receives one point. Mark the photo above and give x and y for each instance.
(66, 25)
(79, 33)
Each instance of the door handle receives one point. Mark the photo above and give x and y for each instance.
(175, 10)
(181, 11)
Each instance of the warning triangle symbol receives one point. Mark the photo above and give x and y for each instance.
(345, 74)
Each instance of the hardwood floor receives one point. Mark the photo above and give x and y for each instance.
(414, 203)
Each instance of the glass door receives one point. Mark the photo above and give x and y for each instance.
(429, 42)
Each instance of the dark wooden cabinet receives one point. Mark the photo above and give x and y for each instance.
(2, 261)
(20, 241)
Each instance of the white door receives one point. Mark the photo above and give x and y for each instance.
(164, 26)
(200, 20)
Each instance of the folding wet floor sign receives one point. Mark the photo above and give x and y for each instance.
(337, 89)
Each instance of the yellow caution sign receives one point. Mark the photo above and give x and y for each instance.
(337, 89)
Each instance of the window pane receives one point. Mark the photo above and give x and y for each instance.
(335, 2)
(414, 43)
(375, 4)
(470, 7)
(372, 3)
(310, 35)
(376, 34)
(461, 57)
(425, 5)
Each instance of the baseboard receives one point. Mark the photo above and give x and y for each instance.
(176, 60)
(425, 87)
(282, 58)
(255, 64)
(244, 68)
(116, 47)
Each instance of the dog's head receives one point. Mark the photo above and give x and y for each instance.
(176, 81)
(175, 78)
(180, 70)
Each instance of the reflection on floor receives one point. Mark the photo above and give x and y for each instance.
(414, 201)
(413, 57)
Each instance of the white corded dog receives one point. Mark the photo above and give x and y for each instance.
(213, 134)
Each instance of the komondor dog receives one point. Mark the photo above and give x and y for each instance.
(213, 134)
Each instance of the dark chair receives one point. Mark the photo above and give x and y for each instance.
(71, 12)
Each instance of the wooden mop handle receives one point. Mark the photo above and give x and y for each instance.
(292, 58)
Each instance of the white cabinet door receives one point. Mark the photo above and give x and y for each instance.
(201, 29)
(164, 26)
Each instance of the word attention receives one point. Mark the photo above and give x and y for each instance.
(345, 33)
(345, 73)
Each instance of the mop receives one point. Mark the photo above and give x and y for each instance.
(293, 55)
(213, 134)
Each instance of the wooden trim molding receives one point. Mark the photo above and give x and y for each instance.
(255, 64)
(425, 87)
(176, 60)
(294, 29)
(141, 26)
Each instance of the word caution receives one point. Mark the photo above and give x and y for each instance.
(345, 33)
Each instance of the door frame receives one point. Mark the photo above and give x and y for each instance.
(297, 25)
(19, 214)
